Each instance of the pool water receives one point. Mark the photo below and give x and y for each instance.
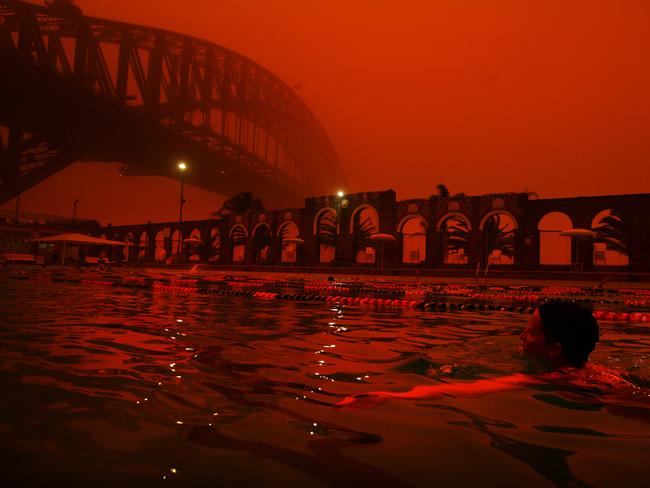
(110, 386)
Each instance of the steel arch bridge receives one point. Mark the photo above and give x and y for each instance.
(75, 88)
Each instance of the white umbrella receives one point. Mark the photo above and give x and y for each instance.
(193, 240)
(294, 240)
(382, 237)
(578, 233)
(79, 239)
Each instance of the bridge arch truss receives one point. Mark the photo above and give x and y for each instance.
(76, 88)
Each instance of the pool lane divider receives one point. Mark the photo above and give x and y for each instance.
(235, 289)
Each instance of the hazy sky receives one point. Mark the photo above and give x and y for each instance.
(486, 96)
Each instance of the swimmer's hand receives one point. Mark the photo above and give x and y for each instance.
(364, 401)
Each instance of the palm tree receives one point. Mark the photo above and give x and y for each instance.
(497, 238)
(242, 202)
(443, 191)
(456, 234)
(612, 231)
(284, 233)
(362, 231)
(262, 241)
(328, 234)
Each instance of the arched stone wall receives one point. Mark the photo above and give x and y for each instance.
(525, 212)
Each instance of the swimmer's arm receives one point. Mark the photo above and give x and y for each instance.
(475, 388)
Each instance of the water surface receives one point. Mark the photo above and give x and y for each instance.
(112, 386)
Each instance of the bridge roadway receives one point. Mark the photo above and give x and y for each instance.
(85, 89)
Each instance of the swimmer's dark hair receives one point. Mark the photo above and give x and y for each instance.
(573, 326)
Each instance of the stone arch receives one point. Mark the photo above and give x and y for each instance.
(512, 218)
(319, 216)
(458, 215)
(454, 228)
(129, 239)
(261, 224)
(498, 233)
(554, 248)
(194, 250)
(326, 230)
(611, 242)
(238, 228)
(364, 211)
(413, 228)
(238, 235)
(262, 236)
(408, 217)
(288, 223)
(143, 245)
(177, 242)
(364, 222)
(159, 246)
(214, 249)
(288, 230)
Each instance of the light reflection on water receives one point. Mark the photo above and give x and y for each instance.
(111, 385)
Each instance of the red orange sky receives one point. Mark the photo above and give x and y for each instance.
(484, 96)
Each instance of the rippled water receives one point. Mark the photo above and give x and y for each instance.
(111, 386)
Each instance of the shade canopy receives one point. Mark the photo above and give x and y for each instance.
(80, 239)
(293, 240)
(193, 240)
(578, 233)
(382, 237)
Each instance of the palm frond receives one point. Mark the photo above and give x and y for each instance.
(328, 233)
(497, 238)
(613, 232)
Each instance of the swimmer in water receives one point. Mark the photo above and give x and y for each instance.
(558, 339)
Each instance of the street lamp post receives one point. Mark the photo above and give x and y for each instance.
(340, 195)
(182, 167)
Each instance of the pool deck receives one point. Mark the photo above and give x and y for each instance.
(510, 278)
(608, 280)
(426, 276)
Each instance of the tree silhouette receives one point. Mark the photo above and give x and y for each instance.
(497, 238)
(238, 236)
(262, 241)
(363, 229)
(285, 233)
(242, 202)
(214, 246)
(456, 234)
(443, 192)
(328, 234)
(612, 231)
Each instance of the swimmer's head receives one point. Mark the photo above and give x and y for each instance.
(561, 333)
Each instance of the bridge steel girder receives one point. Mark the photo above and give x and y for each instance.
(241, 127)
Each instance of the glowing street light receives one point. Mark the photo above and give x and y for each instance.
(182, 167)
(339, 202)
